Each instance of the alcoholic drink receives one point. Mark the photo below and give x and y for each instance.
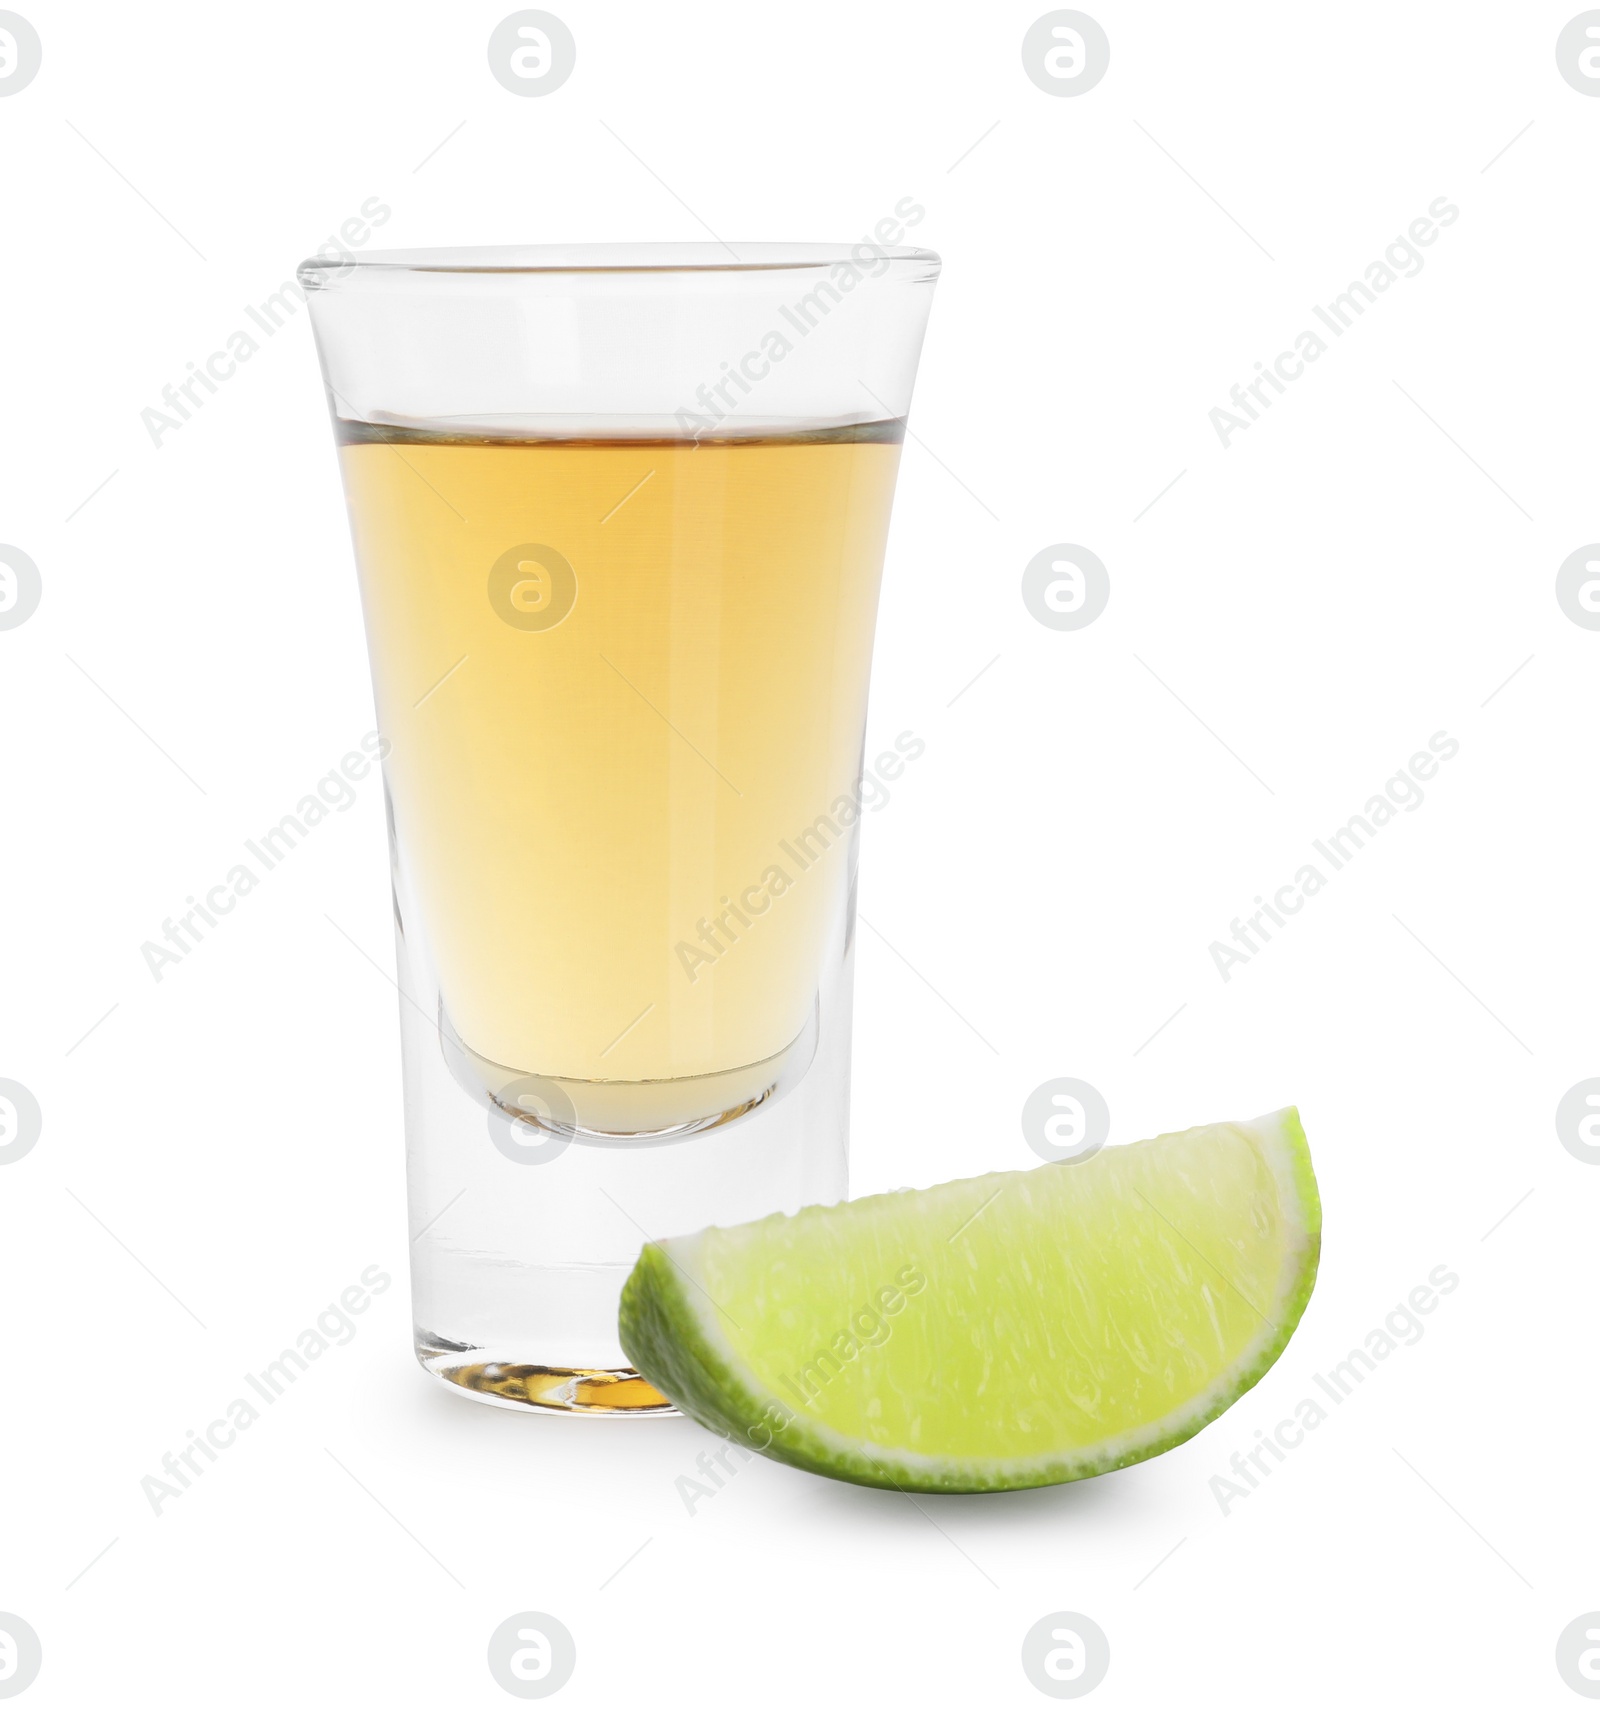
(626, 794)
(619, 514)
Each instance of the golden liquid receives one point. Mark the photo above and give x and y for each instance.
(573, 804)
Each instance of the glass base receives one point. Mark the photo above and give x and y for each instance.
(524, 1229)
(618, 1393)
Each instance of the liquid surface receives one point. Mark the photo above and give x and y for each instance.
(624, 683)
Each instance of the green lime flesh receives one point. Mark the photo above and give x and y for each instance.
(1012, 1330)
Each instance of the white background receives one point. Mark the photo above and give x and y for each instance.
(1337, 585)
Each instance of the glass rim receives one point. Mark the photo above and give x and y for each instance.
(615, 258)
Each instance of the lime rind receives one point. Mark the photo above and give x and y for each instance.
(679, 1339)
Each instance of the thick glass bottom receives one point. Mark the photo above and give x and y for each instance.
(525, 1226)
(615, 1392)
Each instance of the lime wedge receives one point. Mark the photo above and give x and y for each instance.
(1018, 1329)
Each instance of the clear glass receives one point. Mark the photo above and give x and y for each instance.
(619, 517)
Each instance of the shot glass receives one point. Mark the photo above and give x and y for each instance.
(619, 516)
